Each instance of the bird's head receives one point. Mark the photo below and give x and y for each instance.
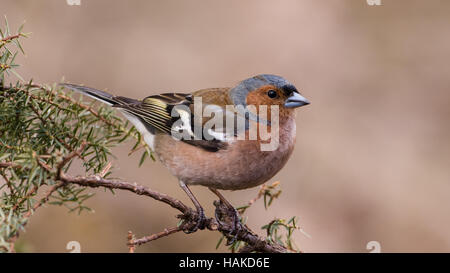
(268, 90)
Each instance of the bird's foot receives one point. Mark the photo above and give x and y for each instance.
(199, 220)
(232, 216)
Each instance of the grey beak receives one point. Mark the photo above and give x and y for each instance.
(295, 100)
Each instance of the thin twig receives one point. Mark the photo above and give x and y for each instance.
(8, 183)
(146, 239)
(97, 181)
(23, 199)
(9, 38)
(69, 157)
(262, 190)
(105, 170)
(44, 199)
(131, 246)
(10, 165)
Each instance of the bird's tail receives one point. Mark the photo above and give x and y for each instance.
(91, 92)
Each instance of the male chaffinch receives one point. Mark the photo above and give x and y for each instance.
(217, 158)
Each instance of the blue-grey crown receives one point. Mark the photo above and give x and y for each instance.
(239, 93)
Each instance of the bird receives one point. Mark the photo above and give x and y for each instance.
(223, 156)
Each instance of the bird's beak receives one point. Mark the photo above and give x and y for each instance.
(295, 100)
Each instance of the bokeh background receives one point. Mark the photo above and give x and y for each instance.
(372, 160)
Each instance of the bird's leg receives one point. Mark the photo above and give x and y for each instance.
(232, 212)
(201, 219)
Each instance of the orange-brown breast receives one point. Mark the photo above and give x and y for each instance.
(242, 165)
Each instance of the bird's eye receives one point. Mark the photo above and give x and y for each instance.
(272, 94)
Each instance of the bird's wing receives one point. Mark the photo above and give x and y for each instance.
(171, 113)
(175, 114)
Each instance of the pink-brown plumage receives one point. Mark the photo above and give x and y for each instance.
(241, 165)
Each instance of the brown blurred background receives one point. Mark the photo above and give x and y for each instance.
(372, 156)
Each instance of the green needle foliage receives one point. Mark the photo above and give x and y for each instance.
(40, 126)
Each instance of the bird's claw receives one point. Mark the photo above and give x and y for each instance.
(231, 212)
(200, 222)
(237, 226)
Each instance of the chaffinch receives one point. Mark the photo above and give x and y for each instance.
(219, 157)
